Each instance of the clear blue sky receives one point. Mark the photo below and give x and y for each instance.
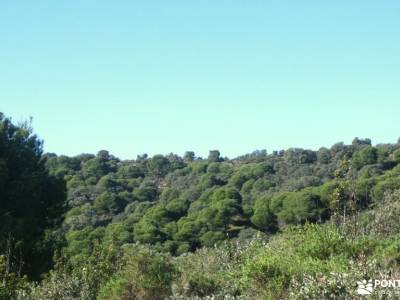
(169, 76)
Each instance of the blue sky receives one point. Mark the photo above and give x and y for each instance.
(169, 76)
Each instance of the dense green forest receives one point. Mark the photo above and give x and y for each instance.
(290, 224)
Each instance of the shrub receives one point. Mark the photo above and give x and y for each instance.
(146, 274)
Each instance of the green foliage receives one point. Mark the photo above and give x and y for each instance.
(396, 156)
(188, 207)
(214, 156)
(149, 228)
(387, 184)
(77, 280)
(263, 216)
(208, 272)
(12, 284)
(211, 238)
(177, 207)
(32, 201)
(277, 268)
(300, 207)
(145, 275)
(158, 165)
(383, 220)
(189, 156)
(368, 155)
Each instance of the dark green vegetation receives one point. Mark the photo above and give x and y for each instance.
(293, 224)
(32, 202)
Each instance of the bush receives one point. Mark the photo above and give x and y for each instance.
(312, 250)
(146, 274)
(208, 272)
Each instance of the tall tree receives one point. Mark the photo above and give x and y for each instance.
(31, 201)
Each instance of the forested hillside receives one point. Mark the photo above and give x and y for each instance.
(285, 224)
(179, 204)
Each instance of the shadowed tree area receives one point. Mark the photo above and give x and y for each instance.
(31, 202)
